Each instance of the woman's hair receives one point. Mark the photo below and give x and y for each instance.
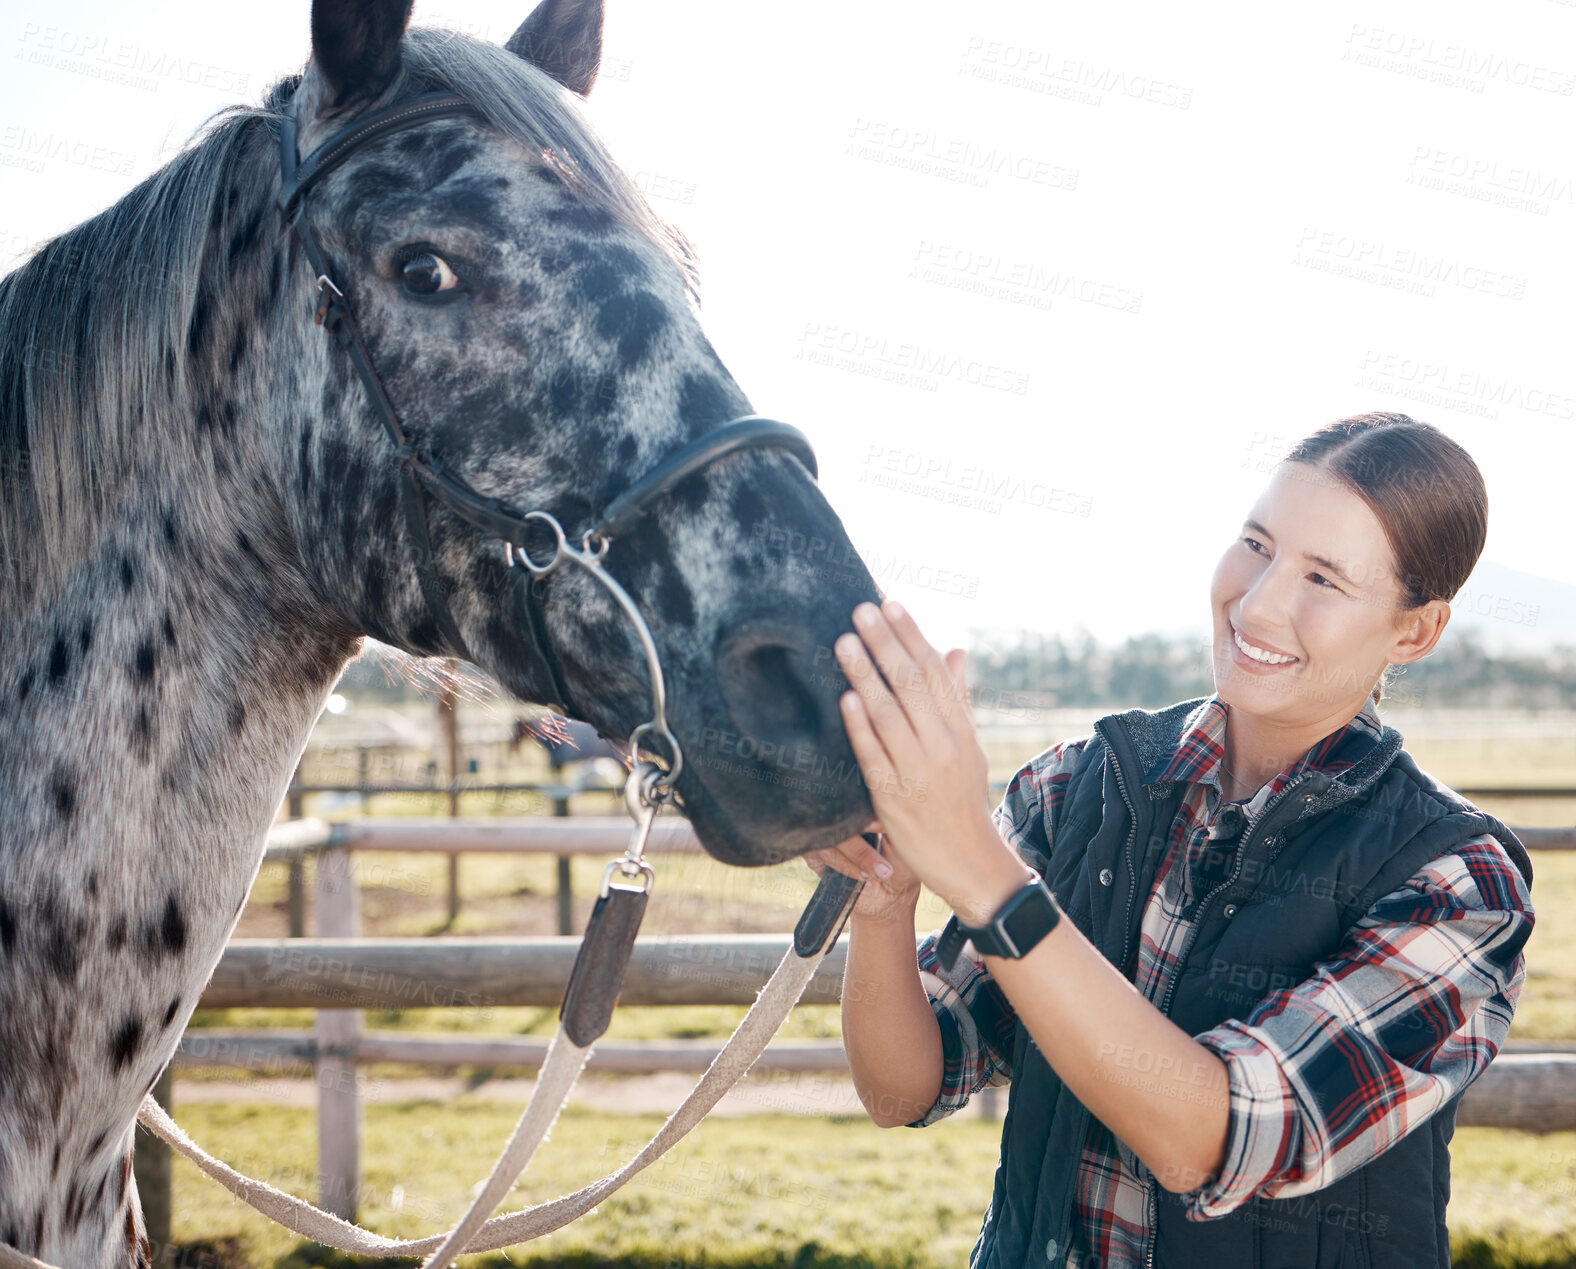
(1425, 490)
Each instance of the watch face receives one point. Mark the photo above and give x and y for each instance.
(1033, 915)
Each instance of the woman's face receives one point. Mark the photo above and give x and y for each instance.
(1310, 588)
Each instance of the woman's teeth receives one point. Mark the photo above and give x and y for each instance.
(1259, 654)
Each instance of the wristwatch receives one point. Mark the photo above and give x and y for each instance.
(1020, 923)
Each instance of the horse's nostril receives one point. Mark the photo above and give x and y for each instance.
(785, 705)
(763, 682)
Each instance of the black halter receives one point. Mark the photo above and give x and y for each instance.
(490, 515)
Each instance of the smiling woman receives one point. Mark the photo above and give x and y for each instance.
(1238, 957)
(1346, 565)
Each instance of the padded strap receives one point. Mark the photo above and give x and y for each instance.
(829, 908)
(598, 974)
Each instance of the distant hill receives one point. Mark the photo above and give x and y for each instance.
(1515, 611)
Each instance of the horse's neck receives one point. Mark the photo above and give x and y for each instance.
(169, 677)
(152, 707)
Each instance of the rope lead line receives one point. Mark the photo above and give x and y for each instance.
(744, 1047)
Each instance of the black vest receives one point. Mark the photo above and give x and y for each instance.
(1323, 851)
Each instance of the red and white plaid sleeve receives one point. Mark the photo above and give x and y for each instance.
(1327, 1075)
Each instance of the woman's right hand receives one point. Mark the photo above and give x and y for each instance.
(894, 895)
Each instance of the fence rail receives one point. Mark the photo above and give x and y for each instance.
(1525, 1090)
(565, 837)
(487, 973)
(277, 1051)
(580, 835)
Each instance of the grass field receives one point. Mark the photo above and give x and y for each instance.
(764, 1190)
(776, 1190)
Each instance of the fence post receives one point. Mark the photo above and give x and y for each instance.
(150, 1161)
(449, 723)
(338, 1033)
(566, 893)
(297, 899)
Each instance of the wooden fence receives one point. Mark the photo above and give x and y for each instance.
(340, 974)
(295, 844)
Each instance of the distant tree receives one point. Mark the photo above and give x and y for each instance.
(1151, 670)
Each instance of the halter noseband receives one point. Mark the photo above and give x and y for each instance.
(491, 515)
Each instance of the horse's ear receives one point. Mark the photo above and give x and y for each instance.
(355, 47)
(563, 38)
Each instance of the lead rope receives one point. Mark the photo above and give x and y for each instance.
(744, 1047)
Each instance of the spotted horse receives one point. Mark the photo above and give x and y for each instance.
(203, 515)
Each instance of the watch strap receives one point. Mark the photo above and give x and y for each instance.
(951, 942)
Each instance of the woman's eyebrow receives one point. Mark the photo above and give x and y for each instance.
(1307, 555)
(1331, 565)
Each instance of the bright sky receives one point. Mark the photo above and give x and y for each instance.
(1048, 286)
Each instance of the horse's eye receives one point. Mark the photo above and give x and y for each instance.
(428, 274)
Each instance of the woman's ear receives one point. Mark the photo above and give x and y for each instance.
(1417, 631)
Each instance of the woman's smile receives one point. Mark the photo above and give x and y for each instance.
(1257, 657)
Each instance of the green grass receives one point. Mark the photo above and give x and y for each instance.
(757, 1191)
(761, 1190)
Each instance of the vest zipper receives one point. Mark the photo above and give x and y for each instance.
(1127, 852)
(1187, 946)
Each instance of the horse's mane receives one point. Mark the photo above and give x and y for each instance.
(94, 325)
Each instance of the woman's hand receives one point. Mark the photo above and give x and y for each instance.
(891, 889)
(912, 733)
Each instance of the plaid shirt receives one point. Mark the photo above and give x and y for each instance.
(1446, 945)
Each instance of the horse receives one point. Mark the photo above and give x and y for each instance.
(200, 525)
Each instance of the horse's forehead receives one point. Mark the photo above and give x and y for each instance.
(474, 173)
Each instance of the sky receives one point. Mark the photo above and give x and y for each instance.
(1050, 287)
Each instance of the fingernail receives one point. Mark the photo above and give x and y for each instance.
(864, 614)
(894, 610)
(883, 869)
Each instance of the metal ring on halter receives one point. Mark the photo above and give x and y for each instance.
(664, 779)
(561, 549)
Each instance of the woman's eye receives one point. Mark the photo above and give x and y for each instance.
(428, 274)
(1254, 545)
(1319, 579)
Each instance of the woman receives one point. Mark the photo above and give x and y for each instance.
(1277, 950)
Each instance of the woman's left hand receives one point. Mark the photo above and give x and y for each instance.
(914, 739)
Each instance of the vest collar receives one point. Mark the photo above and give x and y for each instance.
(1160, 747)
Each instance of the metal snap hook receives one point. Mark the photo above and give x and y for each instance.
(628, 869)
